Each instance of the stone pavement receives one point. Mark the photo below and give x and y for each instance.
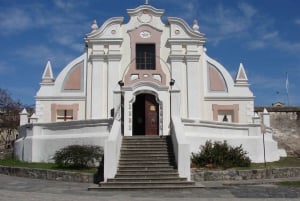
(17, 188)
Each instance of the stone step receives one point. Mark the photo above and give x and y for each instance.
(145, 137)
(141, 141)
(159, 175)
(145, 141)
(149, 146)
(145, 172)
(148, 179)
(146, 152)
(146, 162)
(146, 168)
(143, 188)
(154, 163)
(148, 184)
(146, 149)
(148, 158)
(146, 155)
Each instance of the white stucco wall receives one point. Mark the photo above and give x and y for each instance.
(39, 142)
(44, 112)
(247, 135)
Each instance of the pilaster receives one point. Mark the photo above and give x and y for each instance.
(193, 84)
(98, 87)
(113, 61)
(178, 73)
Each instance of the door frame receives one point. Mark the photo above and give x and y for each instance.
(141, 120)
(159, 112)
(161, 94)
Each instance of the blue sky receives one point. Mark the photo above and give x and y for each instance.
(264, 35)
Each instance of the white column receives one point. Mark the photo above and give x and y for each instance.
(266, 118)
(113, 78)
(23, 117)
(128, 113)
(175, 103)
(99, 88)
(179, 75)
(193, 86)
(117, 105)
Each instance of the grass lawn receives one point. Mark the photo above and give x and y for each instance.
(283, 162)
(289, 183)
(49, 166)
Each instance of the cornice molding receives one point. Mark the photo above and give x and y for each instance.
(226, 98)
(154, 11)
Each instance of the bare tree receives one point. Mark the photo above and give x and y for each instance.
(9, 119)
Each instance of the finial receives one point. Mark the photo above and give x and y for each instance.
(146, 2)
(94, 25)
(196, 26)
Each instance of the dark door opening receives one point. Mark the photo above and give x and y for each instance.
(145, 115)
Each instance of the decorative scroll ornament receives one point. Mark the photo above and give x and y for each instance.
(145, 17)
(145, 34)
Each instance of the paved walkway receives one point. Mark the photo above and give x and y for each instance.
(16, 189)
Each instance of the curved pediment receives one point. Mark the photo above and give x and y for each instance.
(180, 29)
(110, 28)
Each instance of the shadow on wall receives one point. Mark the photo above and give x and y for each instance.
(99, 175)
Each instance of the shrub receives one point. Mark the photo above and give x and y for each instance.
(222, 155)
(78, 156)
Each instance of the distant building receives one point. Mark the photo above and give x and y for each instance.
(143, 77)
(278, 104)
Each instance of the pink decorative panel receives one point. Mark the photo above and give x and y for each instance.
(55, 107)
(74, 78)
(145, 34)
(216, 79)
(230, 108)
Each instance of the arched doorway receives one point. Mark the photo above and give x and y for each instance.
(145, 115)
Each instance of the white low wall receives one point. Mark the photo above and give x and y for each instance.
(181, 148)
(39, 142)
(112, 151)
(248, 135)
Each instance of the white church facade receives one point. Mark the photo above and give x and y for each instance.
(144, 77)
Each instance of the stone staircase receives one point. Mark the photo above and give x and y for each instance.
(147, 163)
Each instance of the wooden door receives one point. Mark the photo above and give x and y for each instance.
(151, 115)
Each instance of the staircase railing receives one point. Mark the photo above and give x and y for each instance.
(112, 149)
(181, 148)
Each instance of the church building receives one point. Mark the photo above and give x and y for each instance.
(145, 77)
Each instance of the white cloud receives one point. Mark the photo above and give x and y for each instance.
(223, 22)
(266, 83)
(270, 36)
(274, 40)
(13, 20)
(248, 10)
(62, 28)
(70, 4)
(256, 44)
(5, 68)
(63, 4)
(39, 55)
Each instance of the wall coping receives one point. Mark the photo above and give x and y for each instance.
(277, 109)
(232, 174)
(47, 174)
(196, 174)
